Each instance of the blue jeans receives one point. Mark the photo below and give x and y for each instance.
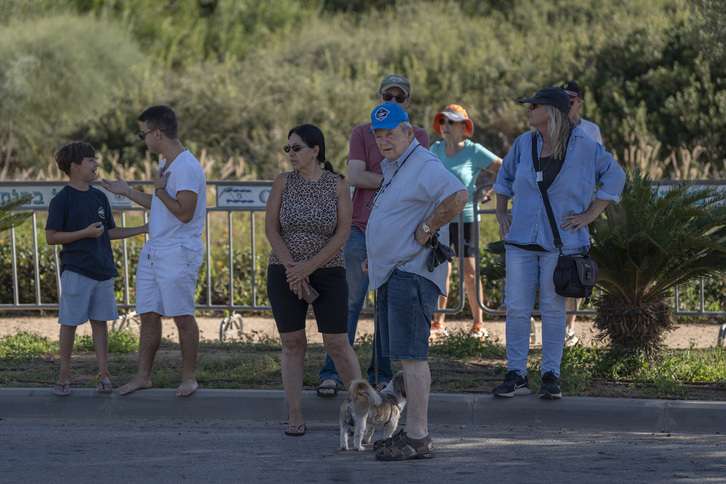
(526, 271)
(355, 254)
(406, 304)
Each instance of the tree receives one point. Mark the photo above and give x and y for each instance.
(8, 218)
(646, 245)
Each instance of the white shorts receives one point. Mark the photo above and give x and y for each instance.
(166, 280)
(83, 298)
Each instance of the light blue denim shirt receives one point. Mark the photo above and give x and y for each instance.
(586, 165)
(421, 184)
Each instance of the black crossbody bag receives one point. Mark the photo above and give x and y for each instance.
(575, 274)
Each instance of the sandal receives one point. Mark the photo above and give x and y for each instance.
(479, 331)
(294, 431)
(407, 449)
(65, 389)
(325, 394)
(394, 439)
(438, 331)
(102, 386)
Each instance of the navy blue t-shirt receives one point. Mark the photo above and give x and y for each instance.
(71, 210)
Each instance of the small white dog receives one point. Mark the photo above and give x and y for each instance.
(366, 410)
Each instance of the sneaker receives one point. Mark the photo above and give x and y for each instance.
(570, 338)
(550, 389)
(479, 331)
(438, 331)
(512, 385)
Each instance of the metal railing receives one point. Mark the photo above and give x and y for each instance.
(236, 206)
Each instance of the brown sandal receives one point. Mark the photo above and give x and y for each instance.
(394, 439)
(406, 449)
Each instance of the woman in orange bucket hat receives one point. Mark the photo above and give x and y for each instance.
(465, 159)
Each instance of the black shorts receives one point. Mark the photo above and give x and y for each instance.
(330, 308)
(469, 238)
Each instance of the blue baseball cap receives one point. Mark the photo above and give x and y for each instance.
(387, 116)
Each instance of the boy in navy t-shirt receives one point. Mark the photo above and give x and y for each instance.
(80, 218)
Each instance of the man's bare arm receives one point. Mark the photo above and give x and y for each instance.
(360, 178)
(449, 208)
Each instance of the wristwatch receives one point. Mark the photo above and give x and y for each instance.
(426, 228)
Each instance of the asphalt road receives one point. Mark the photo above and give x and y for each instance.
(188, 450)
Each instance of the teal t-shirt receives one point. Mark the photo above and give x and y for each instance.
(466, 165)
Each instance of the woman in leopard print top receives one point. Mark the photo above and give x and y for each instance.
(307, 223)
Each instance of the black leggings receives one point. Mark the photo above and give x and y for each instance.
(469, 238)
(331, 307)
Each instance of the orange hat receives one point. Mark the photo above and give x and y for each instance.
(455, 113)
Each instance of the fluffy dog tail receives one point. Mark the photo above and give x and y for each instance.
(362, 390)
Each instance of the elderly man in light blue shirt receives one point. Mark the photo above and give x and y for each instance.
(417, 198)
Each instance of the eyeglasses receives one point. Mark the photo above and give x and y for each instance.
(443, 121)
(294, 148)
(388, 97)
(142, 136)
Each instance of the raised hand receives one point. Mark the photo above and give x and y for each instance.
(118, 187)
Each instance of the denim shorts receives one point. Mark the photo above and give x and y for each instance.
(406, 304)
(166, 280)
(83, 298)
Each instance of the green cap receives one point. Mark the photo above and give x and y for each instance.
(394, 80)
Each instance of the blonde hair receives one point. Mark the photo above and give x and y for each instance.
(559, 129)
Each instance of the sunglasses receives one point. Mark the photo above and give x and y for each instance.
(534, 106)
(443, 121)
(294, 148)
(390, 97)
(142, 136)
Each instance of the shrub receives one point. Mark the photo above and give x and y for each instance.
(55, 73)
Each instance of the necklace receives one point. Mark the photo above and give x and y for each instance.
(540, 172)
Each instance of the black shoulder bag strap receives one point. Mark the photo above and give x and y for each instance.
(546, 199)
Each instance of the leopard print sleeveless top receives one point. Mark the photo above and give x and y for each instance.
(309, 217)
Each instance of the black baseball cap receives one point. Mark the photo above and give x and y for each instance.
(572, 89)
(554, 96)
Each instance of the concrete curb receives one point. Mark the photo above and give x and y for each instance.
(452, 409)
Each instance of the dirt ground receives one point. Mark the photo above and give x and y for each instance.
(696, 334)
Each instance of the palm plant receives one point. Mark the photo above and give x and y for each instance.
(646, 245)
(11, 219)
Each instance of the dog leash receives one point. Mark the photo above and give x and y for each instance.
(375, 335)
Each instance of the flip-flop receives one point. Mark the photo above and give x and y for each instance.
(298, 431)
(102, 386)
(63, 386)
(327, 387)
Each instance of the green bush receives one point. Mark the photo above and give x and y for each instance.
(26, 345)
(240, 74)
(55, 73)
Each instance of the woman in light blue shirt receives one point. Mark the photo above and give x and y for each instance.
(465, 159)
(570, 166)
